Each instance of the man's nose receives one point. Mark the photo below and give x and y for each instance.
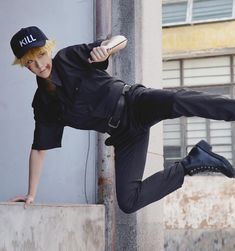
(38, 63)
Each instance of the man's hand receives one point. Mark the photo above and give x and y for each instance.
(107, 48)
(27, 199)
(98, 54)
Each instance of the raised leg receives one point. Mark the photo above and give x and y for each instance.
(152, 106)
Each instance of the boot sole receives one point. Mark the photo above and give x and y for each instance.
(207, 148)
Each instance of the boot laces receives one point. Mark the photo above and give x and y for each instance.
(204, 169)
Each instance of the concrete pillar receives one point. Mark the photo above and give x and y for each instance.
(106, 179)
(52, 227)
(123, 22)
(140, 62)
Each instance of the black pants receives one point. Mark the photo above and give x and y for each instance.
(144, 108)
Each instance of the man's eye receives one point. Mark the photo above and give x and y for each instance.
(42, 54)
(29, 62)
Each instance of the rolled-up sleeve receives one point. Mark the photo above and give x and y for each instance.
(79, 54)
(47, 136)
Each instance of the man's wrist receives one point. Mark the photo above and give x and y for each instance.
(30, 196)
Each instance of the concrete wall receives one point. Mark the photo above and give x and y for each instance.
(52, 228)
(150, 219)
(201, 215)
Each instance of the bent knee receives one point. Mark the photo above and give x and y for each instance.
(126, 206)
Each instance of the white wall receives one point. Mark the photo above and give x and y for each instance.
(150, 218)
(68, 22)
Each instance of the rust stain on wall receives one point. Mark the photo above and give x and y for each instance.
(204, 202)
(104, 181)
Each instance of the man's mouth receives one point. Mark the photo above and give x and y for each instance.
(42, 70)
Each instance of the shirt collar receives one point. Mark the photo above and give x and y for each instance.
(54, 75)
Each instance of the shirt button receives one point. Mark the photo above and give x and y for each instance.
(76, 89)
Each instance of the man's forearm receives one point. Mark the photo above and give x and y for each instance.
(36, 161)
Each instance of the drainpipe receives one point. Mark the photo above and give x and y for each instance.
(106, 188)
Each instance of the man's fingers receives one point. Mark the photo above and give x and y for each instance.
(94, 56)
(27, 199)
(102, 51)
(28, 202)
(98, 54)
(18, 199)
(26, 205)
(90, 61)
(105, 51)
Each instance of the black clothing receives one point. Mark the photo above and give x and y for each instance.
(86, 97)
(144, 108)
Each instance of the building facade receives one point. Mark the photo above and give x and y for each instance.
(198, 53)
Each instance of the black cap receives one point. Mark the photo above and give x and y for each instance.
(27, 38)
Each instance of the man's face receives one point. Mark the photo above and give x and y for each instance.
(41, 65)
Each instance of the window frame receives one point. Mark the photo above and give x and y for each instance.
(189, 15)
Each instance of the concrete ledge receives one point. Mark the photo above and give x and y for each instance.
(53, 227)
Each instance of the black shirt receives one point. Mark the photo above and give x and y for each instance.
(80, 95)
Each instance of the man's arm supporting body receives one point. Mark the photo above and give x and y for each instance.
(36, 160)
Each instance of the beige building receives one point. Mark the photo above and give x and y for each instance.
(198, 53)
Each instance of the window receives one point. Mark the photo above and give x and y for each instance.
(197, 72)
(207, 71)
(171, 74)
(174, 12)
(196, 11)
(172, 141)
(211, 9)
(214, 75)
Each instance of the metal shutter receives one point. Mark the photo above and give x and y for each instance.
(211, 9)
(207, 71)
(174, 12)
(171, 74)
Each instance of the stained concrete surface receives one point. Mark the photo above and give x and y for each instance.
(52, 227)
(200, 240)
(201, 215)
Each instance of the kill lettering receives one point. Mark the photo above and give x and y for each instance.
(27, 40)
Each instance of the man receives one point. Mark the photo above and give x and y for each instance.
(75, 90)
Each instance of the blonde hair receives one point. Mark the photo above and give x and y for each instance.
(32, 53)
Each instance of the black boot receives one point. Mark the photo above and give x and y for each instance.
(202, 159)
